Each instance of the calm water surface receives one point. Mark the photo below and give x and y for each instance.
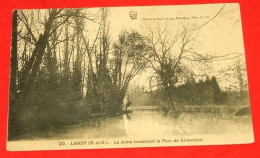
(151, 124)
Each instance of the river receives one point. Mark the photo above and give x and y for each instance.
(150, 124)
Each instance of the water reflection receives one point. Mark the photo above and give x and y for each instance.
(127, 120)
(150, 124)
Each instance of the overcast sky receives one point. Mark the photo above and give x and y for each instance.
(221, 36)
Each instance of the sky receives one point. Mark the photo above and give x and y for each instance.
(219, 37)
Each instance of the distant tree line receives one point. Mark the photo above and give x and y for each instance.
(201, 92)
(192, 92)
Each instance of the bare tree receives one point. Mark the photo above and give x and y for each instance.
(128, 61)
(32, 66)
(168, 56)
(110, 70)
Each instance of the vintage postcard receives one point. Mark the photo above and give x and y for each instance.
(120, 77)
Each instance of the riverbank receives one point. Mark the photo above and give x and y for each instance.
(48, 120)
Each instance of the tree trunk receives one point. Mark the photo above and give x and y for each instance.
(14, 61)
(34, 63)
(13, 76)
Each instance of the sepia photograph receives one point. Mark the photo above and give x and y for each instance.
(121, 77)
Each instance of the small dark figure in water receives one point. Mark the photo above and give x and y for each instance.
(128, 117)
(128, 104)
(243, 111)
(165, 109)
